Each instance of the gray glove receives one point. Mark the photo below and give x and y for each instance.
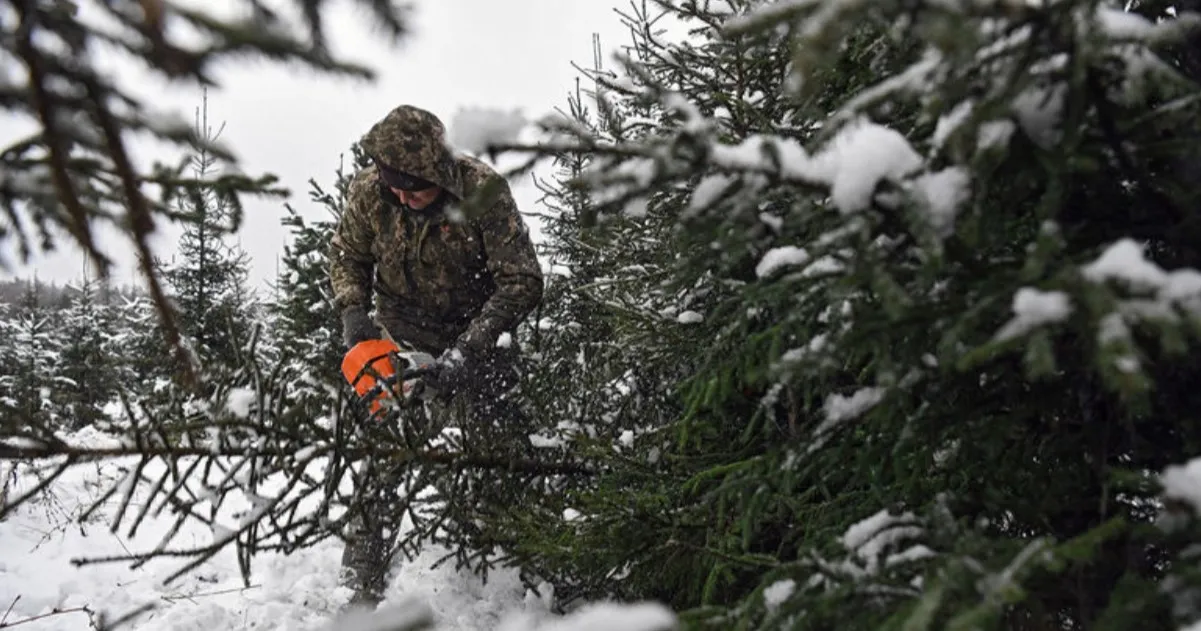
(357, 326)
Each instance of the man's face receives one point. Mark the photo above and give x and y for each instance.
(412, 191)
(416, 199)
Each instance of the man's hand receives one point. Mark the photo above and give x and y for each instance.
(357, 326)
(450, 373)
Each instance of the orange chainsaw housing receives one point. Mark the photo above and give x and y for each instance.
(373, 353)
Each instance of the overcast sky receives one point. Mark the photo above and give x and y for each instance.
(508, 54)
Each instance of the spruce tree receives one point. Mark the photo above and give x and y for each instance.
(610, 340)
(143, 356)
(941, 260)
(8, 403)
(88, 366)
(305, 323)
(31, 368)
(207, 278)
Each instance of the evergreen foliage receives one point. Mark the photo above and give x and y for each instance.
(27, 372)
(87, 365)
(304, 318)
(207, 279)
(861, 315)
(941, 261)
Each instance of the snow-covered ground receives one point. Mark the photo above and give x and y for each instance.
(287, 592)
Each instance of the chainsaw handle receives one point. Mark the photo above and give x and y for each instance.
(409, 373)
(413, 373)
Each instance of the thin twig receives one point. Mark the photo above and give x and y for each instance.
(172, 599)
(78, 455)
(10, 609)
(53, 612)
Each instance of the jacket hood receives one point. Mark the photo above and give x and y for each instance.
(413, 140)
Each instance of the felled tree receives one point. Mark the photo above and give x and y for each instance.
(948, 249)
(275, 435)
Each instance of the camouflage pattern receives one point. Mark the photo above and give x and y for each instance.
(412, 140)
(459, 276)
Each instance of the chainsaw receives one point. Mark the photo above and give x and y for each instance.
(383, 373)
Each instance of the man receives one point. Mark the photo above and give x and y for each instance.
(438, 241)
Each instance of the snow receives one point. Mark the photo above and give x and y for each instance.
(555, 269)
(1038, 111)
(772, 221)
(841, 408)
(751, 153)
(407, 615)
(1159, 291)
(708, 190)
(295, 592)
(23, 442)
(690, 317)
(869, 537)
(241, 402)
(1124, 261)
(1183, 483)
(636, 208)
(875, 543)
(824, 265)
(949, 122)
(813, 347)
(859, 157)
(994, 133)
(539, 441)
(775, 594)
(475, 129)
(768, 13)
(943, 192)
(1112, 328)
(1124, 24)
(694, 121)
(780, 257)
(606, 617)
(1033, 308)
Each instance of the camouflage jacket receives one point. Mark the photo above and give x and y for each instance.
(460, 276)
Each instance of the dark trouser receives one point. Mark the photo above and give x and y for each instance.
(368, 554)
(487, 412)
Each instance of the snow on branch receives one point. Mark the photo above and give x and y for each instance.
(243, 467)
